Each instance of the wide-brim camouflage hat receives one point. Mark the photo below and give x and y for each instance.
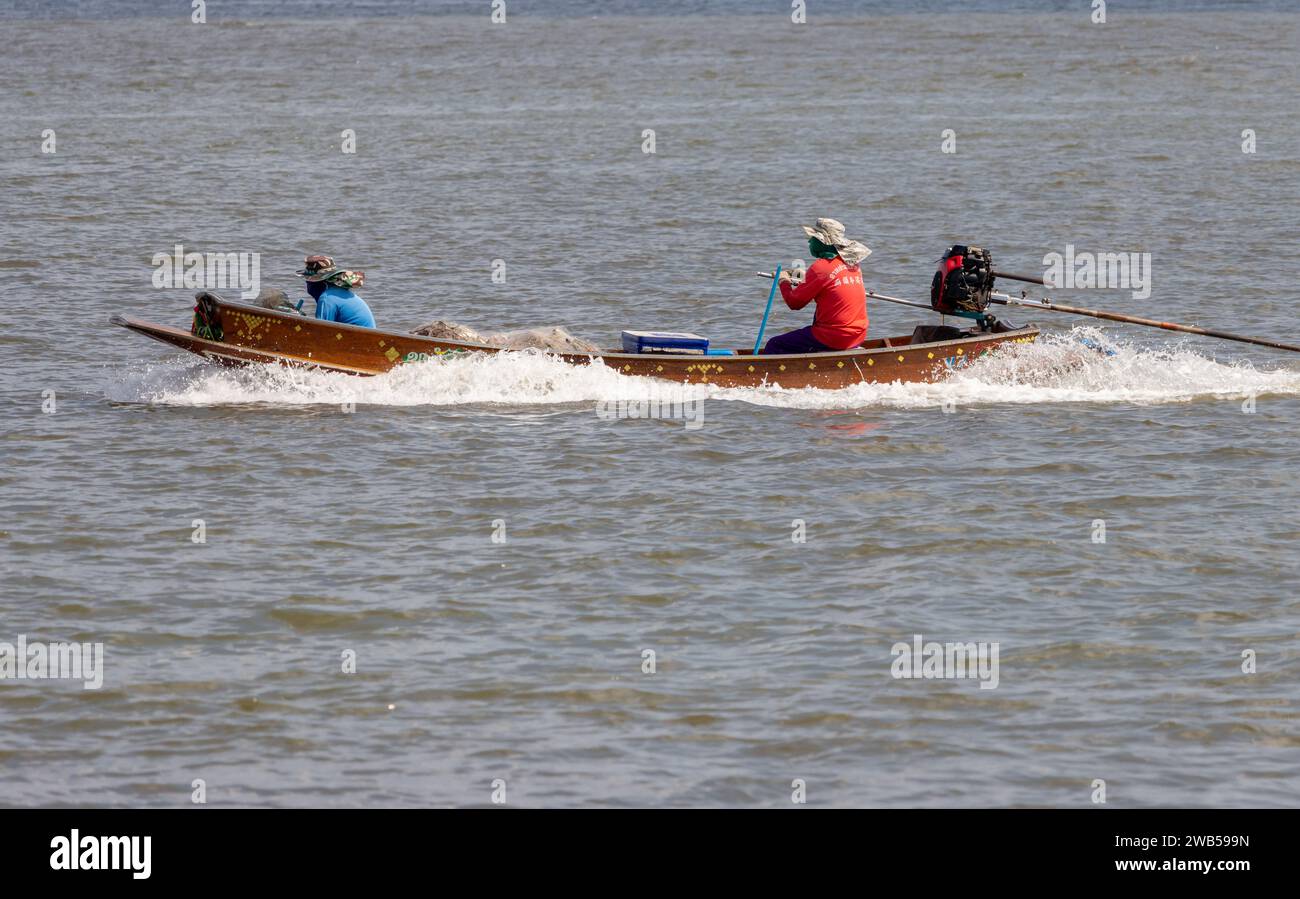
(348, 280)
(322, 268)
(318, 268)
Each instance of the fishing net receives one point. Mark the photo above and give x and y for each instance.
(554, 339)
(448, 331)
(274, 298)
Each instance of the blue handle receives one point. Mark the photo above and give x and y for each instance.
(771, 295)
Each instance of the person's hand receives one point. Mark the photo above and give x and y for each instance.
(784, 278)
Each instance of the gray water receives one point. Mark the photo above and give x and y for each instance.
(963, 511)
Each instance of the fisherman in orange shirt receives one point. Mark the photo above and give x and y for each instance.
(834, 282)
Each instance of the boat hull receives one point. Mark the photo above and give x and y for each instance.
(253, 335)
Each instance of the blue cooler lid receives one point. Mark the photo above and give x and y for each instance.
(640, 341)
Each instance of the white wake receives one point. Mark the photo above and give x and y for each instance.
(1058, 368)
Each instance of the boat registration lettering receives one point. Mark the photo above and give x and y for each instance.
(952, 363)
(425, 357)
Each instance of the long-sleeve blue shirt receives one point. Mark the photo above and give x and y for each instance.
(339, 305)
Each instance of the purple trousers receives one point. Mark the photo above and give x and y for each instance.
(801, 341)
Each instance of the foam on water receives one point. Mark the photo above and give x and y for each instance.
(1058, 368)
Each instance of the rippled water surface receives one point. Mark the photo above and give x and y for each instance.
(963, 511)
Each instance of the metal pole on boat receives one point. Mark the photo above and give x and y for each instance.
(871, 295)
(1008, 300)
(771, 295)
(1029, 279)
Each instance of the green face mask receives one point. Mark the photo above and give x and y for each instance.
(820, 250)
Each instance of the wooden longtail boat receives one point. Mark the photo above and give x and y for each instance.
(240, 334)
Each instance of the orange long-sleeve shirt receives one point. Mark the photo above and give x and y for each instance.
(840, 321)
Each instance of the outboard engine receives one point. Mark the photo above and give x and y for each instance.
(964, 282)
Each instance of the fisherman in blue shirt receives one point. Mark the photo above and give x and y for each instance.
(332, 289)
